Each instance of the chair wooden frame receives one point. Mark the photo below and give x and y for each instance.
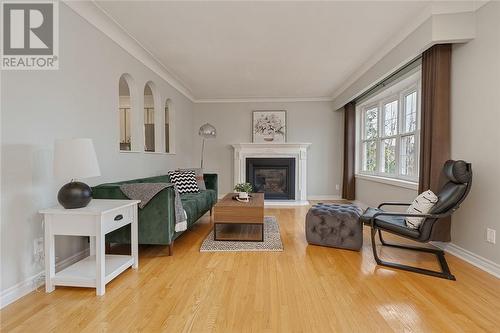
(445, 272)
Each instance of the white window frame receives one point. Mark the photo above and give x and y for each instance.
(364, 140)
(397, 92)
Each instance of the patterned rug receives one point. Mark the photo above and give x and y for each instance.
(272, 241)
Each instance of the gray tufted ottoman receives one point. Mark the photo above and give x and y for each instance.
(334, 225)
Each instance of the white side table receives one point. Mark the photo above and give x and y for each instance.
(100, 217)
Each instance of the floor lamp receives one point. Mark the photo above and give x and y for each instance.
(206, 131)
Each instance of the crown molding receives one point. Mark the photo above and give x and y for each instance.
(438, 28)
(264, 100)
(99, 18)
(384, 50)
(480, 3)
(431, 11)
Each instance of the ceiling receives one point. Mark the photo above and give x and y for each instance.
(226, 50)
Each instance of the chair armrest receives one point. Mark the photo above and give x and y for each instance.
(211, 181)
(431, 216)
(393, 204)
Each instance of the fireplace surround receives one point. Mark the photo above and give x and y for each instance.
(293, 151)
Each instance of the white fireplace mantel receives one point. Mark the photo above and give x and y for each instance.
(298, 151)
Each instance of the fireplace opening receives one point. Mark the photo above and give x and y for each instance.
(275, 177)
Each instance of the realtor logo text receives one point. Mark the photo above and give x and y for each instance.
(30, 35)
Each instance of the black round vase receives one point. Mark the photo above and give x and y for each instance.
(74, 195)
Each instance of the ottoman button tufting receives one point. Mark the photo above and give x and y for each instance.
(334, 225)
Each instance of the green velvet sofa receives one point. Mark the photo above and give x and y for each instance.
(156, 219)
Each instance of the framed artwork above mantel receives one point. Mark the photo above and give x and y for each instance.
(269, 126)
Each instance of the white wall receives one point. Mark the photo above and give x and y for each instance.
(78, 100)
(312, 122)
(442, 28)
(475, 117)
(372, 193)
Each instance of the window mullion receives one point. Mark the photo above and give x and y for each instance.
(401, 112)
(380, 124)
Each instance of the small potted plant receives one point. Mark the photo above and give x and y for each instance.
(243, 189)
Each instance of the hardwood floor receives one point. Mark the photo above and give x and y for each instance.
(303, 289)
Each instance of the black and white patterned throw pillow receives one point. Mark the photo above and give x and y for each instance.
(185, 181)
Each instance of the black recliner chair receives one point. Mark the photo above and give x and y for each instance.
(433, 228)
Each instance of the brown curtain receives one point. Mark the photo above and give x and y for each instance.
(435, 124)
(348, 182)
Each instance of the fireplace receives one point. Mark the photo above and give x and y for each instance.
(296, 151)
(275, 177)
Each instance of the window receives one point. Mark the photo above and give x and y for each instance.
(389, 132)
(124, 113)
(149, 119)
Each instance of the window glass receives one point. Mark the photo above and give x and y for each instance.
(371, 123)
(370, 156)
(408, 158)
(389, 155)
(410, 123)
(124, 114)
(390, 118)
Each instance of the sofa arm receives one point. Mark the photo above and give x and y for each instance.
(156, 219)
(108, 191)
(211, 181)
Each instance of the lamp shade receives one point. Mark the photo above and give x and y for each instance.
(207, 131)
(75, 159)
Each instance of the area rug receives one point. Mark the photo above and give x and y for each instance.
(272, 241)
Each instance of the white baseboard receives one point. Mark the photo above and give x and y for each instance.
(324, 197)
(25, 287)
(309, 197)
(19, 290)
(288, 203)
(72, 259)
(472, 258)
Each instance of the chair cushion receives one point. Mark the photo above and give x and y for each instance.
(449, 196)
(395, 224)
(208, 196)
(191, 208)
(458, 172)
(367, 215)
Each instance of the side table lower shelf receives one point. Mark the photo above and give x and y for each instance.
(83, 272)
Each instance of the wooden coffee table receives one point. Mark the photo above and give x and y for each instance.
(241, 221)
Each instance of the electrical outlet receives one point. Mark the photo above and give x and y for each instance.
(491, 235)
(337, 187)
